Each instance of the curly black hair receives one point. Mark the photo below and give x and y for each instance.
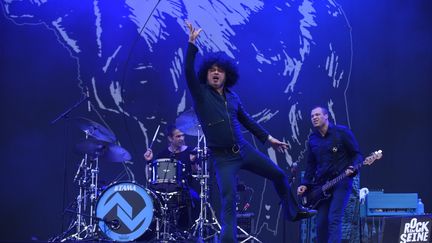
(223, 62)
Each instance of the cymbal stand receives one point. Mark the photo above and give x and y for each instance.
(88, 172)
(86, 192)
(94, 191)
(79, 223)
(205, 228)
(80, 205)
(82, 196)
(81, 178)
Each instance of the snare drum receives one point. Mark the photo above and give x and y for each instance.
(166, 175)
(125, 210)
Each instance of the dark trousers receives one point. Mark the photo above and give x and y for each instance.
(330, 213)
(227, 165)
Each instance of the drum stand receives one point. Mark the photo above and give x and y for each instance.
(203, 225)
(86, 178)
(165, 216)
(205, 228)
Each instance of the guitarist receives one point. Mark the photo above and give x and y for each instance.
(332, 150)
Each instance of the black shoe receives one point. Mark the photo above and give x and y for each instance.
(304, 213)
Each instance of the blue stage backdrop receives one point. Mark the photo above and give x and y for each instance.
(369, 63)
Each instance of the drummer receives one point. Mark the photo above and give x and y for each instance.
(177, 149)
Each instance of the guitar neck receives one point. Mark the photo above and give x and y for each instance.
(368, 161)
(333, 182)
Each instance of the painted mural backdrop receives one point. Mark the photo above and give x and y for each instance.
(128, 57)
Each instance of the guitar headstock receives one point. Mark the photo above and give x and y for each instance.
(374, 156)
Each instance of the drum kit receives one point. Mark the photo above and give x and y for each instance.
(128, 211)
(206, 227)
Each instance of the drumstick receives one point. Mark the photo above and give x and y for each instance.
(154, 137)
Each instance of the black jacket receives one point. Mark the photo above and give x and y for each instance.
(331, 154)
(221, 116)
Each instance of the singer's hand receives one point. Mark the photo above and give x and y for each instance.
(148, 155)
(277, 145)
(193, 33)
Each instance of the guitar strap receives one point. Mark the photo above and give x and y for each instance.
(334, 150)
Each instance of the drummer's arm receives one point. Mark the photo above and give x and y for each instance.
(194, 163)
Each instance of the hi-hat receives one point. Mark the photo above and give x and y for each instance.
(104, 151)
(94, 129)
(188, 123)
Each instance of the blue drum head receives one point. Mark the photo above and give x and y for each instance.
(125, 211)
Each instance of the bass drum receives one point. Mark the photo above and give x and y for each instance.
(125, 211)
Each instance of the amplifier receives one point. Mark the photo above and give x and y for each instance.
(379, 203)
(391, 229)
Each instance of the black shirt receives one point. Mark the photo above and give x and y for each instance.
(183, 157)
(221, 116)
(331, 154)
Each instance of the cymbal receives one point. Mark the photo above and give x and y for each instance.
(94, 129)
(188, 123)
(104, 151)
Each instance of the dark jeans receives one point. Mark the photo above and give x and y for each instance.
(330, 213)
(227, 165)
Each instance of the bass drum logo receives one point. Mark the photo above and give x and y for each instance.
(125, 211)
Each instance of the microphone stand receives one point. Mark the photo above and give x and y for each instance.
(69, 110)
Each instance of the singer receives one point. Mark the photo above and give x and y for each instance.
(221, 114)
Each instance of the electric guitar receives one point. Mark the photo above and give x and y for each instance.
(316, 193)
